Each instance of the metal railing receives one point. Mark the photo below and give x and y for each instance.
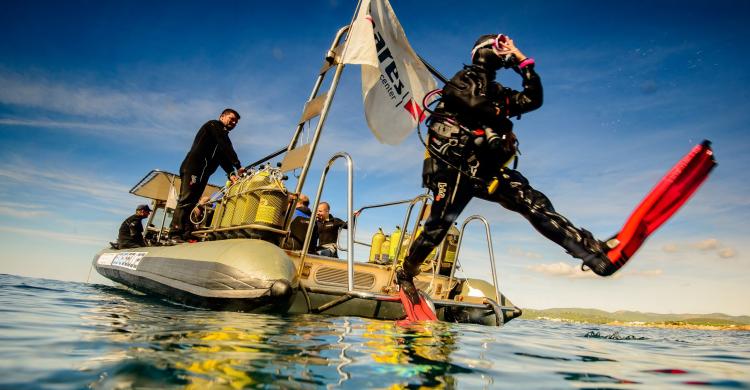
(349, 215)
(489, 247)
(407, 217)
(419, 198)
(373, 206)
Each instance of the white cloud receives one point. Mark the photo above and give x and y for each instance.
(60, 180)
(77, 126)
(518, 252)
(566, 270)
(61, 186)
(709, 245)
(561, 269)
(37, 233)
(37, 92)
(644, 273)
(22, 212)
(109, 112)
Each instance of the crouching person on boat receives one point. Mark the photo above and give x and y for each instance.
(470, 143)
(211, 148)
(328, 230)
(131, 229)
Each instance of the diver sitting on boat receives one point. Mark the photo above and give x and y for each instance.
(298, 227)
(328, 230)
(131, 229)
(211, 148)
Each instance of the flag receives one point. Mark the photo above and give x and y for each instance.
(394, 79)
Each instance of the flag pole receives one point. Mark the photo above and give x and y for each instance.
(433, 70)
(326, 105)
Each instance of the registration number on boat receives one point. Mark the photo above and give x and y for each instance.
(129, 260)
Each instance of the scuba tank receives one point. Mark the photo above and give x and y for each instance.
(448, 257)
(404, 247)
(395, 236)
(384, 249)
(375, 244)
(247, 204)
(270, 201)
(230, 202)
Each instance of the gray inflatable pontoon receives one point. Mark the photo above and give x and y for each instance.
(238, 274)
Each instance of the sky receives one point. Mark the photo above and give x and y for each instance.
(93, 95)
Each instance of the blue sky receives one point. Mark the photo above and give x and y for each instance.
(93, 95)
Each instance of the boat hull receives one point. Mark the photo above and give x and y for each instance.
(242, 274)
(257, 276)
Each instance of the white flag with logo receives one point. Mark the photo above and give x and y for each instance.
(394, 79)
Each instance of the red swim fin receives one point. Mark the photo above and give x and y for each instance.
(674, 189)
(416, 312)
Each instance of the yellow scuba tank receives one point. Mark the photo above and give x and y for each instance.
(384, 249)
(395, 236)
(218, 213)
(230, 204)
(272, 202)
(247, 205)
(404, 247)
(449, 250)
(375, 244)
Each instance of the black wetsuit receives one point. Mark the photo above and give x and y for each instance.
(131, 233)
(212, 148)
(482, 106)
(328, 235)
(298, 230)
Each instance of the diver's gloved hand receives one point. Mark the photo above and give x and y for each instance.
(236, 174)
(505, 48)
(406, 282)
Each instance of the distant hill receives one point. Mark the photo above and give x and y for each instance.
(603, 317)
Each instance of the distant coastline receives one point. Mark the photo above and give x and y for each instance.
(713, 321)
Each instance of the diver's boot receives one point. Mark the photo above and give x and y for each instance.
(593, 253)
(406, 283)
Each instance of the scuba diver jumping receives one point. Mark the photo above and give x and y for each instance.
(471, 143)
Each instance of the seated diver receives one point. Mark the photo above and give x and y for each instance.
(328, 230)
(131, 229)
(298, 226)
(470, 141)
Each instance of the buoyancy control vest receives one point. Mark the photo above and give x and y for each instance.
(470, 127)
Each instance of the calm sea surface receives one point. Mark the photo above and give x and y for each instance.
(71, 335)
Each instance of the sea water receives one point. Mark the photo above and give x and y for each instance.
(57, 334)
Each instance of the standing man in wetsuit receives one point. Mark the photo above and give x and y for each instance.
(328, 230)
(470, 142)
(131, 229)
(211, 148)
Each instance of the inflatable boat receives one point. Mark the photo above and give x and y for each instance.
(253, 267)
(251, 254)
